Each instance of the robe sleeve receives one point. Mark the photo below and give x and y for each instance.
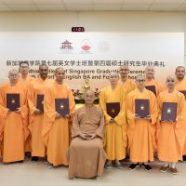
(3, 112)
(99, 130)
(75, 126)
(120, 119)
(31, 98)
(130, 112)
(181, 114)
(103, 106)
(49, 113)
(24, 113)
(71, 104)
(153, 108)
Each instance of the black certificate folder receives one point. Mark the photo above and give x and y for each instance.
(62, 106)
(142, 108)
(40, 102)
(169, 111)
(113, 109)
(152, 88)
(13, 102)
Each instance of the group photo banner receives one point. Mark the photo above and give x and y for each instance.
(91, 56)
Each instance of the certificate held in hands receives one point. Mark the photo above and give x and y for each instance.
(62, 106)
(13, 101)
(40, 102)
(152, 88)
(113, 109)
(169, 111)
(142, 108)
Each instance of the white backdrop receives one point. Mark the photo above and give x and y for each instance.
(92, 55)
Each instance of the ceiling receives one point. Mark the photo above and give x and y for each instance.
(92, 5)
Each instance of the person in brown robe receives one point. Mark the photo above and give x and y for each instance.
(86, 154)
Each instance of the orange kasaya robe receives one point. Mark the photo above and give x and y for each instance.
(37, 87)
(115, 139)
(158, 86)
(171, 136)
(14, 131)
(26, 82)
(181, 86)
(55, 132)
(141, 132)
(128, 85)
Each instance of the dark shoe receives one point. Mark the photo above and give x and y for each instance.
(34, 158)
(174, 171)
(184, 158)
(133, 166)
(108, 165)
(146, 166)
(21, 161)
(164, 169)
(118, 164)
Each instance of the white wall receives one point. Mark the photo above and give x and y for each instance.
(94, 21)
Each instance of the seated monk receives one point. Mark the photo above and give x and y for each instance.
(86, 154)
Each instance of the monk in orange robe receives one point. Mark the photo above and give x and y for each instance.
(37, 88)
(181, 87)
(141, 130)
(150, 80)
(128, 84)
(115, 139)
(56, 126)
(14, 131)
(26, 80)
(170, 134)
(86, 154)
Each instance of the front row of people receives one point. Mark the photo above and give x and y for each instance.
(137, 124)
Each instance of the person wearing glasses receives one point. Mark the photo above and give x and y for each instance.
(112, 103)
(171, 124)
(128, 84)
(151, 83)
(141, 106)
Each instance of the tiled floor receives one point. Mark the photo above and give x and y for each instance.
(40, 174)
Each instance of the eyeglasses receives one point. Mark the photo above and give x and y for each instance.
(140, 80)
(170, 81)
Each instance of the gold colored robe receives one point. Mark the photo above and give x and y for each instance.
(170, 136)
(14, 131)
(181, 86)
(26, 82)
(128, 85)
(56, 131)
(115, 140)
(159, 87)
(38, 86)
(141, 132)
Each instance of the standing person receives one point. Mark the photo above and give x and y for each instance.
(150, 83)
(112, 102)
(86, 154)
(181, 87)
(170, 132)
(14, 113)
(141, 127)
(36, 95)
(58, 108)
(26, 80)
